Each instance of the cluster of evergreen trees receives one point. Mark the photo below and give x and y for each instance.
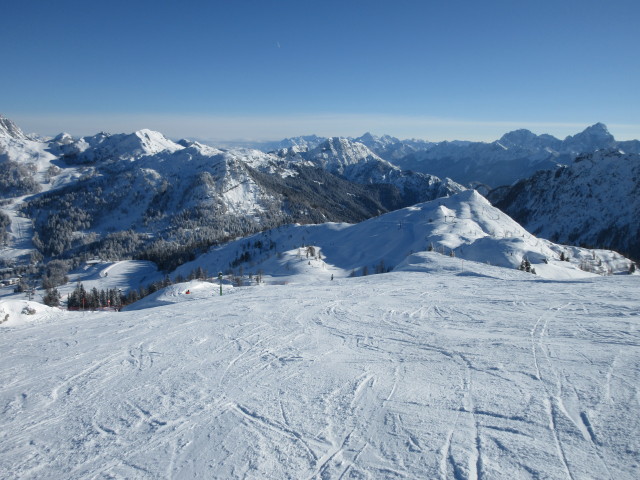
(525, 266)
(81, 299)
(94, 299)
(5, 221)
(17, 179)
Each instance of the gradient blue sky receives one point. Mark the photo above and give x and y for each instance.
(223, 70)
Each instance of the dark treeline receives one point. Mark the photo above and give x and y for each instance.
(95, 299)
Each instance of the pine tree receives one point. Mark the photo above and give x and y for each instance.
(52, 297)
(94, 299)
(200, 274)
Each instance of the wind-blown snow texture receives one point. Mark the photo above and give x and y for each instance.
(429, 372)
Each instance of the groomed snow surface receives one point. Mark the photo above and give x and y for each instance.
(428, 372)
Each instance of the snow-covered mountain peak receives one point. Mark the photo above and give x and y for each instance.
(9, 129)
(122, 146)
(599, 129)
(152, 142)
(518, 137)
(304, 142)
(335, 153)
(63, 139)
(592, 138)
(367, 137)
(375, 142)
(525, 140)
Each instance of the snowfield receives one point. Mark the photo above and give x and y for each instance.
(428, 372)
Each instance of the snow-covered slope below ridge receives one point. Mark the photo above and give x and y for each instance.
(593, 201)
(483, 374)
(465, 225)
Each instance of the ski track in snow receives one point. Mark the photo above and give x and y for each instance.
(403, 375)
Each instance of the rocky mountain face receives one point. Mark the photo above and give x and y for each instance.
(8, 129)
(594, 201)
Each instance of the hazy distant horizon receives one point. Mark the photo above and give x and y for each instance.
(241, 129)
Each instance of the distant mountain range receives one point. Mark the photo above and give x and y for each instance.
(517, 154)
(141, 195)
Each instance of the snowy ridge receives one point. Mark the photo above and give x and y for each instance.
(355, 162)
(105, 146)
(464, 225)
(516, 155)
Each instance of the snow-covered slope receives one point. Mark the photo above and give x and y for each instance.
(432, 373)
(594, 201)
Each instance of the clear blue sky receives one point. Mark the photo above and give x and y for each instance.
(268, 69)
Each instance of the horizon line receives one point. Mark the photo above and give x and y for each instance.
(238, 128)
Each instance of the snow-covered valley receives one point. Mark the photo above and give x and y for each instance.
(426, 372)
